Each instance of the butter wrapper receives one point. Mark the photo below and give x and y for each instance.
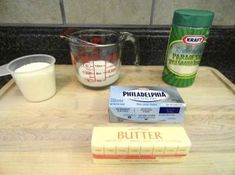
(114, 145)
(145, 104)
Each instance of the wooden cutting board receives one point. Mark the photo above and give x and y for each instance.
(53, 137)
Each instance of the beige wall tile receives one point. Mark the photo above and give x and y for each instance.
(30, 11)
(224, 10)
(108, 11)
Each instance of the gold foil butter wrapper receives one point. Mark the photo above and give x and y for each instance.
(113, 145)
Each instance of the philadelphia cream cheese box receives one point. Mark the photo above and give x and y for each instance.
(145, 104)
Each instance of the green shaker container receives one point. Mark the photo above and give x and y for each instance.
(189, 32)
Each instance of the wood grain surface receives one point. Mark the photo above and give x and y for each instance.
(53, 137)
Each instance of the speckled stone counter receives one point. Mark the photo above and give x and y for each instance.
(18, 41)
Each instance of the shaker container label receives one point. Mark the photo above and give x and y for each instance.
(184, 54)
(184, 59)
(193, 39)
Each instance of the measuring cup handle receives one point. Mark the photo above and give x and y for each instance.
(130, 37)
(4, 70)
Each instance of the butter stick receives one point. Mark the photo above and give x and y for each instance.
(139, 144)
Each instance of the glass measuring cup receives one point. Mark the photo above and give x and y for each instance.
(96, 55)
(34, 75)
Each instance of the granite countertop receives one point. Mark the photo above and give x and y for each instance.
(18, 41)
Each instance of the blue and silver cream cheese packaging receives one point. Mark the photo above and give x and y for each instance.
(145, 104)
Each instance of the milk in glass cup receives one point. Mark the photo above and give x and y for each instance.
(34, 76)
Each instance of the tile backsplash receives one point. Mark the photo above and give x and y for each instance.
(30, 11)
(109, 12)
(224, 10)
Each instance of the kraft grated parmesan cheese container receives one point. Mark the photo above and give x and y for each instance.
(114, 145)
(188, 36)
(146, 104)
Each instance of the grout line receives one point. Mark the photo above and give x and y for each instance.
(214, 28)
(62, 11)
(132, 26)
(152, 12)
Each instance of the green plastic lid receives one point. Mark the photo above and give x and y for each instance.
(193, 18)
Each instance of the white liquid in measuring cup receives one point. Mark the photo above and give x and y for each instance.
(98, 73)
(36, 80)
